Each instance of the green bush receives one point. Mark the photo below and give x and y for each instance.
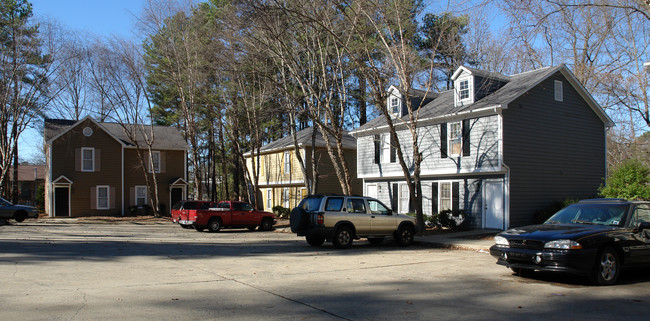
(630, 180)
(451, 219)
(280, 211)
(542, 215)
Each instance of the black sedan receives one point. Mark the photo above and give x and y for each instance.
(595, 238)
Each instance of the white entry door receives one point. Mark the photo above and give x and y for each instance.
(371, 190)
(493, 205)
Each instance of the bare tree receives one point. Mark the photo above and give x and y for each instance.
(119, 75)
(27, 63)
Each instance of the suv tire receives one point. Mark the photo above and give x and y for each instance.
(315, 240)
(405, 235)
(297, 219)
(342, 238)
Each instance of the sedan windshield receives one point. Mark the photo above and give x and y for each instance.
(594, 214)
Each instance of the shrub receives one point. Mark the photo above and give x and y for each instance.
(630, 180)
(542, 215)
(280, 211)
(451, 219)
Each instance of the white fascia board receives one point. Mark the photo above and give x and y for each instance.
(438, 173)
(485, 111)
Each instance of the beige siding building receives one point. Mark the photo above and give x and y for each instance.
(281, 181)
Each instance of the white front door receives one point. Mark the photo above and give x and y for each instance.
(493, 205)
(371, 190)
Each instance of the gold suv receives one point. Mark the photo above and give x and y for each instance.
(341, 219)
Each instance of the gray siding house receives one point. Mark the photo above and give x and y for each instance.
(499, 147)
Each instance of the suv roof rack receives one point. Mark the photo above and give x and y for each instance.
(604, 200)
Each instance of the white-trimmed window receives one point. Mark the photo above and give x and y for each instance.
(269, 198)
(285, 197)
(464, 93)
(103, 196)
(287, 162)
(455, 137)
(155, 162)
(463, 89)
(558, 91)
(444, 196)
(395, 106)
(87, 159)
(404, 198)
(140, 195)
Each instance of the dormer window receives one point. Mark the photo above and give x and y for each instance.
(395, 106)
(464, 93)
(463, 89)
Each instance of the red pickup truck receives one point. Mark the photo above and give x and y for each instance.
(229, 214)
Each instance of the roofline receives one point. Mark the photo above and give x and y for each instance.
(484, 110)
(278, 149)
(49, 142)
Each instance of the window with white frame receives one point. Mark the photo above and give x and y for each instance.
(455, 136)
(404, 198)
(140, 195)
(558, 91)
(444, 196)
(388, 152)
(87, 159)
(463, 89)
(287, 162)
(269, 198)
(155, 162)
(285, 197)
(395, 106)
(103, 196)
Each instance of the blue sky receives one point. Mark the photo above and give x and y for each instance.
(99, 17)
(91, 17)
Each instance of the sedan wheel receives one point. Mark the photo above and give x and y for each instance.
(607, 267)
(20, 216)
(342, 238)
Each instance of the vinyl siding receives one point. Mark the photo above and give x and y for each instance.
(484, 152)
(555, 150)
(272, 175)
(64, 150)
(172, 167)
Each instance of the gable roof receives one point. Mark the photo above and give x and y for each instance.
(165, 137)
(304, 140)
(517, 85)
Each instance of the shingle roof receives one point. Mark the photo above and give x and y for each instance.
(164, 137)
(304, 138)
(443, 104)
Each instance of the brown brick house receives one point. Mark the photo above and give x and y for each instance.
(92, 169)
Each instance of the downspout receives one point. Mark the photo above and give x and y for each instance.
(122, 180)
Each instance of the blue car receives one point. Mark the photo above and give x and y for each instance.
(594, 238)
(16, 212)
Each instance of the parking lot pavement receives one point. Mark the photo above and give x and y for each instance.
(163, 272)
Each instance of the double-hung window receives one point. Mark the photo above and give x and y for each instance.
(87, 159)
(103, 195)
(287, 162)
(140, 195)
(463, 90)
(395, 106)
(155, 162)
(444, 196)
(455, 138)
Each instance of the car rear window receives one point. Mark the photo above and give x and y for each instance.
(311, 204)
(190, 205)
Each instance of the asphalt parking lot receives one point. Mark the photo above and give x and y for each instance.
(151, 271)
